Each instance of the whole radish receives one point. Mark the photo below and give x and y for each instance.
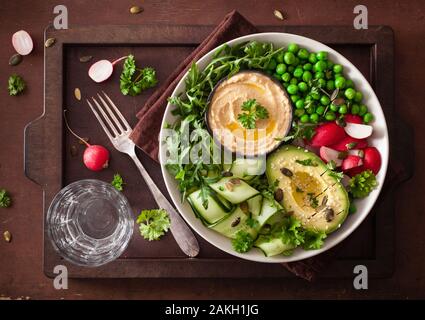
(95, 157)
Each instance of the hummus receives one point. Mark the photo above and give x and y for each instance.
(225, 105)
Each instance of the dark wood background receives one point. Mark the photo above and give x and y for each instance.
(21, 261)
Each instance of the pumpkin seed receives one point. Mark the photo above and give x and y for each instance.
(334, 94)
(279, 15)
(338, 101)
(278, 195)
(236, 222)
(286, 172)
(244, 207)
(85, 58)
(74, 151)
(136, 9)
(85, 139)
(227, 174)
(324, 200)
(7, 236)
(49, 42)
(329, 214)
(15, 59)
(77, 94)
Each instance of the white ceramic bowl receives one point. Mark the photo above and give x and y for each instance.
(378, 139)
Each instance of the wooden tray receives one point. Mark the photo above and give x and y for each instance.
(48, 160)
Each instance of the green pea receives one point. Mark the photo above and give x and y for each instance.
(279, 57)
(334, 107)
(340, 82)
(320, 66)
(322, 55)
(299, 112)
(296, 61)
(312, 58)
(320, 110)
(325, 100)
(308, 98)
(295, 98)
(337, 68)
(291, 69)
(286, 76)
(308, 66)
(302, 86)
(314, 117)
(363, 110)
(307, 76)
(349, 83)
(330, 85)
(343, 109)
(304, 118)
(298, 72)
(330, 64)
(303, 54)
(368, 117)
(293, 47)
(319, 75)
(272, 64)
(330, 116)
(358, 97)
(289, 58)
(355, 108)
(292, 89)
(350, 93)
(321, 83)
(300, 104)
(338, 75)
(293, 81)
(315, 96)
(281, 68)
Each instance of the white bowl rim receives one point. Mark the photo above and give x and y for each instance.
(340, 234)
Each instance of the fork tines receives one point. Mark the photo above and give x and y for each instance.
(115, 127)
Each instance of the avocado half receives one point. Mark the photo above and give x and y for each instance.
(310, 192)
(211, 96)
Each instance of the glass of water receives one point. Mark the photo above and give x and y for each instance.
(90, 223)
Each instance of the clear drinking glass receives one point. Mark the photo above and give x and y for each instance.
(90, 223)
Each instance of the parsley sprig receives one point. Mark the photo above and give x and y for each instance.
(253, 112)
(118, 182)
(153, 223)
(16, 85)
(132, 84)
(5, 200)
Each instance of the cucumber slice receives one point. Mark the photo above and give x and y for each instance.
(215, 211)
(225, 204)
(247, 169)
(272, 247)
(254, 205)
(234, 223)
(235, 193)
(268, 209)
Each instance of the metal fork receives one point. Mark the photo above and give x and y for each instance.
(119, 132)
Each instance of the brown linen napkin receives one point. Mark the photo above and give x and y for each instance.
(145, 134)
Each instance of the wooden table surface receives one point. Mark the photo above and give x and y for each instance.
(21, 273)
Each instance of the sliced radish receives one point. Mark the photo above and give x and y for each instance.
(349, 143)
(328, 155)
(102, 69)
(351, 162)
(372, 159)
(358, 131)
(22, 42)
(351, 118)
(327, 134)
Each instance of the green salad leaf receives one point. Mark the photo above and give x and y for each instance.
(313, 240)
(16, 85)
(243, 242)
(153, 223)
(5, 199)
(362, 184)
(133, 84)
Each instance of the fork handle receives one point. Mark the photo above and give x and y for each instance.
(181, 232)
